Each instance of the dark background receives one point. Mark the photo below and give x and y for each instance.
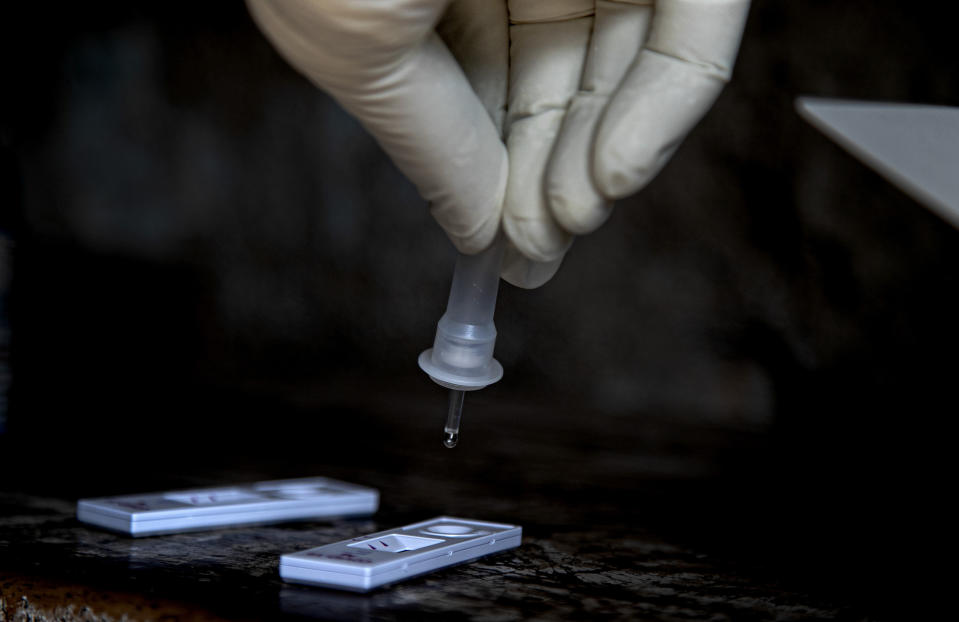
(213, 266)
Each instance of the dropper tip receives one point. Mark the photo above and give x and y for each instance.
(452, 428)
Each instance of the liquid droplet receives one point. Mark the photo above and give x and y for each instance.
(450, 440)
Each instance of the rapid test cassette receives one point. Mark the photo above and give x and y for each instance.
(208, 508)
(370, 561)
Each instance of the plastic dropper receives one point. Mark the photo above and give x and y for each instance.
(461, 358)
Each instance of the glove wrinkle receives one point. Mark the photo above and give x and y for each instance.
(538, 11)
(546, 66)
(700, 32)
(712, 69)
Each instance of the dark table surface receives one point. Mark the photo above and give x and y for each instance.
(625, 516)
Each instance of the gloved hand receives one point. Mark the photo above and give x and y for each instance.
(592, 96)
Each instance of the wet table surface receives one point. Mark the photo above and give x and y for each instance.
(625, 517)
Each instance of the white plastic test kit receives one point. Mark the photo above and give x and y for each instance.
(207, 508)
(370, 561)
(461, 358)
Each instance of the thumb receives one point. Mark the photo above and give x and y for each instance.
(383, 62)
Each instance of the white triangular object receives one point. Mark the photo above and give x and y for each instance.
(914, 146)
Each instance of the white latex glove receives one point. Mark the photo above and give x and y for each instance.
(600, 94)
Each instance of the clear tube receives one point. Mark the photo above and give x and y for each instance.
(452, 428)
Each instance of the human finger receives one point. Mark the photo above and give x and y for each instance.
(671, 84)
(619, 32)
(384, 63)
